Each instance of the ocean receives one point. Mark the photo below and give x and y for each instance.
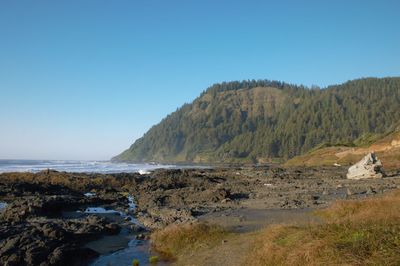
(106, 167)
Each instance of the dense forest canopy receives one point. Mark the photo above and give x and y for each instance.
(260, 120)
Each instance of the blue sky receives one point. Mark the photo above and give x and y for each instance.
(84, 79)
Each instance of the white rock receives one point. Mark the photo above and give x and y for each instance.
(368, 167)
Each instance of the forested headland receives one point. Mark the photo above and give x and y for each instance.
(263, 121)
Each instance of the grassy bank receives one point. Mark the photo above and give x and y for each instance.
(386, 146)
(359, 232)
(175, 241)
(363, 232)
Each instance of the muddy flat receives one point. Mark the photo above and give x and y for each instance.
(248, 220)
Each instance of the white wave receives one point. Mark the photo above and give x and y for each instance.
(144, 172)
(77, 166)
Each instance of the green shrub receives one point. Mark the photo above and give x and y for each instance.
(153, 259)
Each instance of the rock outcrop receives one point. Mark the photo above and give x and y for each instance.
(368, 167)
(34, 230)
(42, 241)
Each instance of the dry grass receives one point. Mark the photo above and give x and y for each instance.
(363, 232)
(325, 154)
(319, 157)
(176, 240)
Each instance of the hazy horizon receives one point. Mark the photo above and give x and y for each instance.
(83, 80)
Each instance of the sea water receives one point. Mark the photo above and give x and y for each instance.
(106, 167)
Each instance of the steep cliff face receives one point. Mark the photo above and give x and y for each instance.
(258, 121)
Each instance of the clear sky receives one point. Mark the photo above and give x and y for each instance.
(84, 79)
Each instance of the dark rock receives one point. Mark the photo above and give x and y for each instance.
(140, 237)
(315, 197)
(219, 194)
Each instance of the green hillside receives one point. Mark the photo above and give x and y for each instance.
(260, 121)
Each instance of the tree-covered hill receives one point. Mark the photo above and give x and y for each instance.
(258, 121)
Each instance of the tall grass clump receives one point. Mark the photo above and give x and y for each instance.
(364, 232)
(175, 240)
(153, 260)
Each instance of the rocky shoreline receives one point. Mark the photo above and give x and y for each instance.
(176, 196)
(34, 231)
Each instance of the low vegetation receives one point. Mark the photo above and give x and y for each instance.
(386, 146)
(176, 240)
(153, 260)
(365, 232)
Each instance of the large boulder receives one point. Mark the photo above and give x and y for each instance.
(368, 167)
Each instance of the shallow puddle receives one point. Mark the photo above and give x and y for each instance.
(3, 205)
(128, 247)
(137, 249)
